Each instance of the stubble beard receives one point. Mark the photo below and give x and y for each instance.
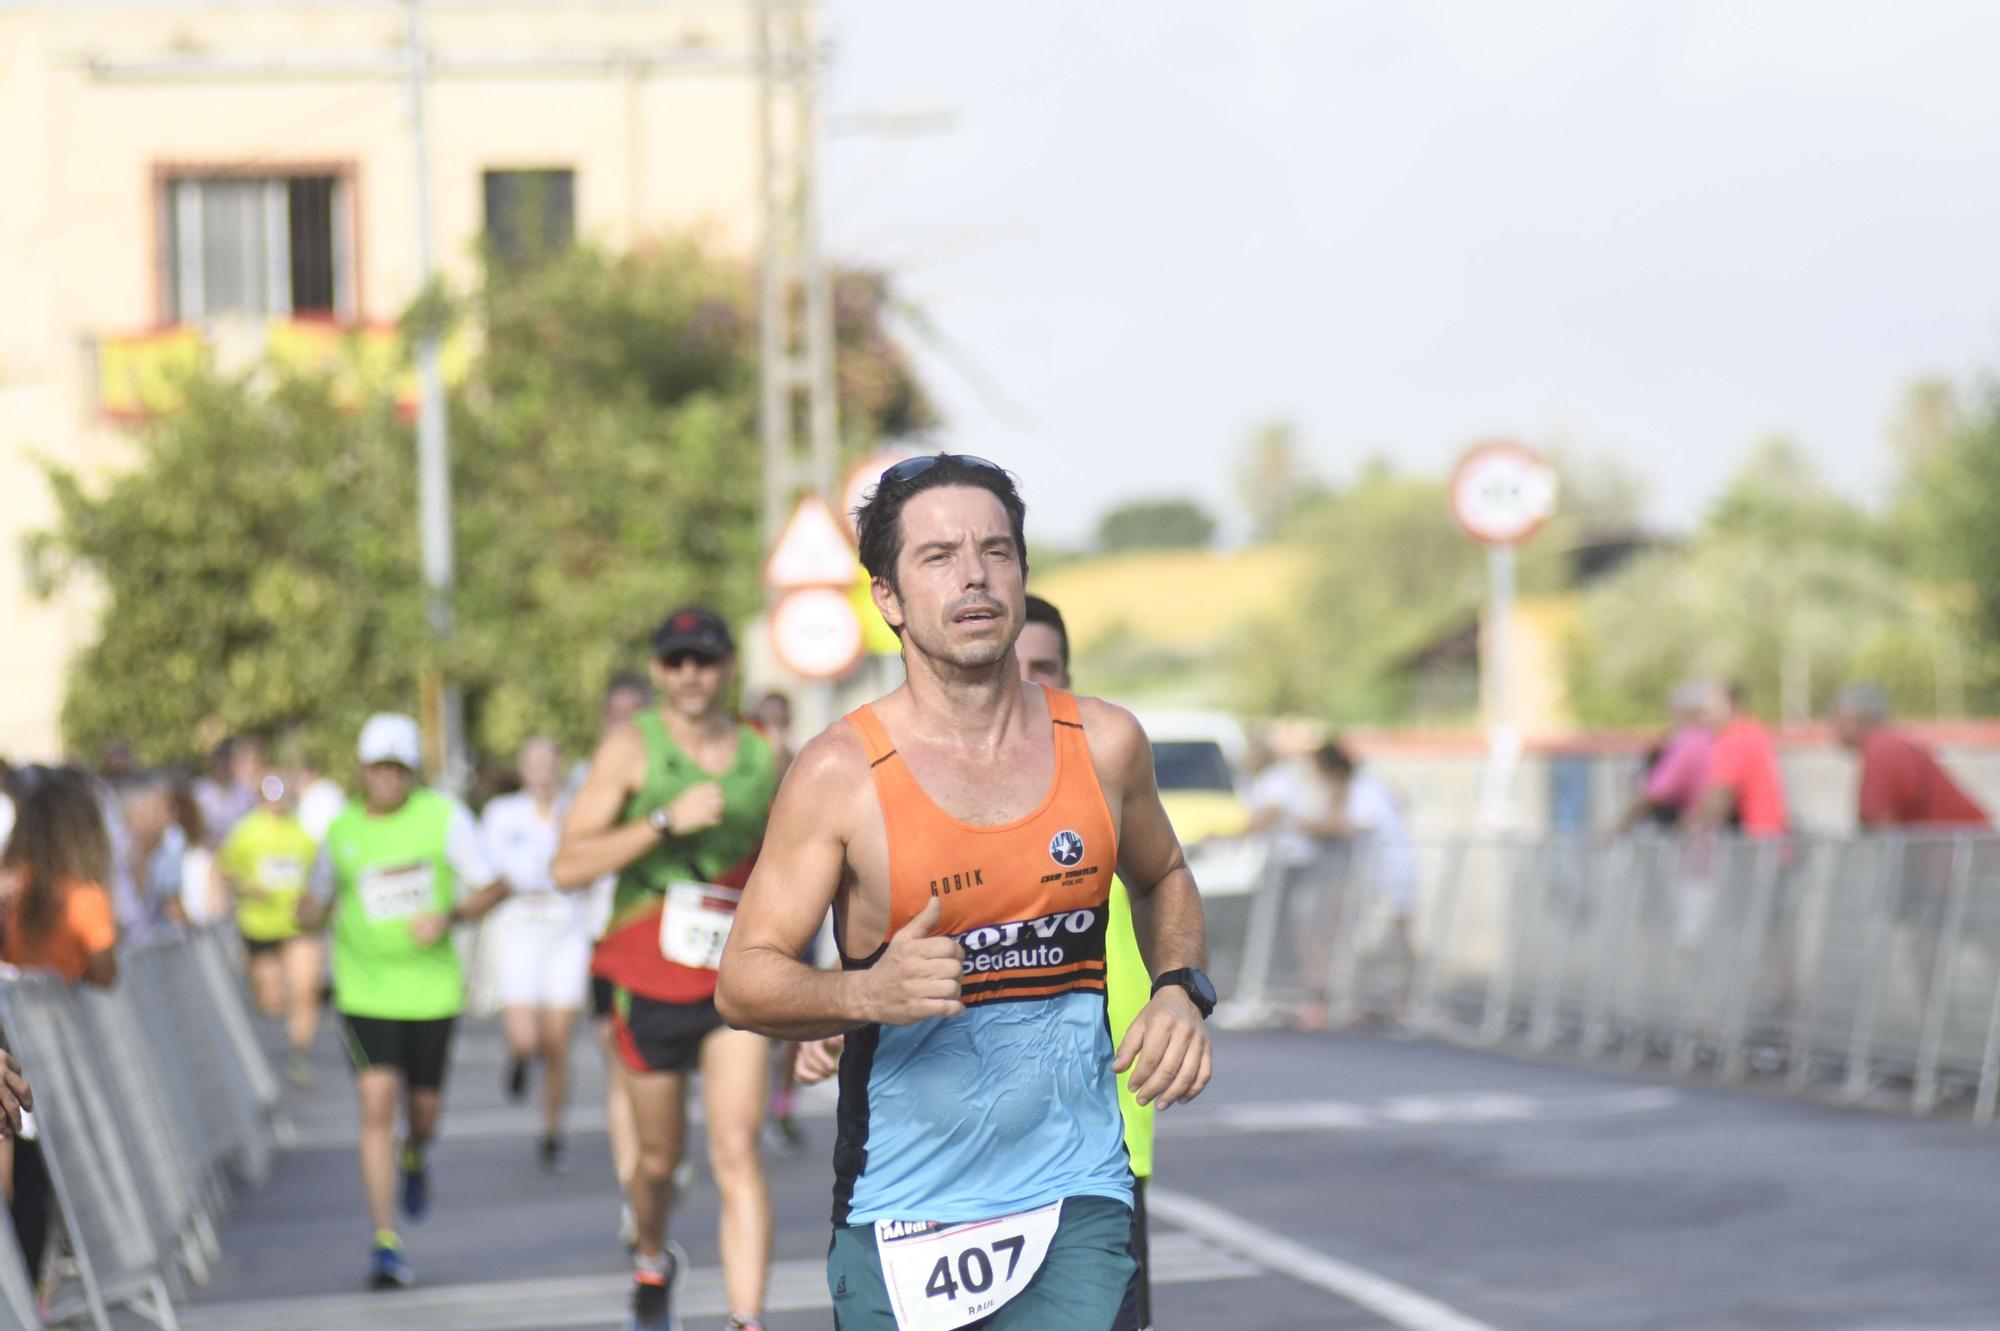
(963, 657)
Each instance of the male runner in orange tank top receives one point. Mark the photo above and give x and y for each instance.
(964, 830)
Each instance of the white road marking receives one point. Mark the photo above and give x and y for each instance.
(1410, 1111)
(534, 1305)
(1380, 1295)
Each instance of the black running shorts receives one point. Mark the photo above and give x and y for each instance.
(417, 1049)
(653, 1036)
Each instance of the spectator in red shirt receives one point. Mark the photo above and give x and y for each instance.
(1746, 792)
(1903, 786)
(1902, 782)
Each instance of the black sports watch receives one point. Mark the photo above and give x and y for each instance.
(1197, 986)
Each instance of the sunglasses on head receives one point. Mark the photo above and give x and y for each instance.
(911, 468)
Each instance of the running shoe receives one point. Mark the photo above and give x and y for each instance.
(389, 1269)
(416, 1186)
(783, 1136)
(653, 1293)
(550, 1152)
(517, 1080)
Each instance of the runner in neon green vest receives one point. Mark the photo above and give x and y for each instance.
(396, 872)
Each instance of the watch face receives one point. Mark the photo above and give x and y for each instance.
(1203, 989)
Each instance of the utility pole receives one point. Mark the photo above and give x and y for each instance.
(798, 411)
(798, 416)
(444, 708)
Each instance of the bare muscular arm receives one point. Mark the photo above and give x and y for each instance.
(1166, 1047)
(765, 983)
(594, 842)
(1166, 906)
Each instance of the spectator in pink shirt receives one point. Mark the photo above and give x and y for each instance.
(1678, 774)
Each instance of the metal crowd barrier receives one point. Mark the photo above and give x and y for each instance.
(1862, 967)
(150, 1098)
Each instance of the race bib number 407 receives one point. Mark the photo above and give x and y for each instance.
(399, 893)
(694, 924)
(944, 1276)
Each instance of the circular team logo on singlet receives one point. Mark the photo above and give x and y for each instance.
(1066, 848)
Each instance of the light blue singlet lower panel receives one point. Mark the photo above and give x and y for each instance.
(1004, 1107)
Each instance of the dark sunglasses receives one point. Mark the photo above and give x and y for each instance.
(911, 468)
(675, 660)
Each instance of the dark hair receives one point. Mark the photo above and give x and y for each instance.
(58, 839)
(879, 520)
(628, 681)
(1041, 612)
(187, 810)
(1333, 760)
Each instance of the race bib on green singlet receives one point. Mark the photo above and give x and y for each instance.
(398, 892)
(694, 923)
(943, 1276)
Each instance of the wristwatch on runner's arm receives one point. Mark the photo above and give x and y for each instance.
(1197, 986)
(661, 820)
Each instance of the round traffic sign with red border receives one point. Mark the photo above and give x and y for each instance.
(1502, 492)
(816, 634)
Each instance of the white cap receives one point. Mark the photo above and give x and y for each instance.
(390, 737)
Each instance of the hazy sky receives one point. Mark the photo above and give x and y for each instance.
(1661, 230)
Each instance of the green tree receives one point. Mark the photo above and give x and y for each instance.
(1391, 574)
(1155, 524)
(259, 566)
(1948, 498)
(254, 566)
(1786, 588)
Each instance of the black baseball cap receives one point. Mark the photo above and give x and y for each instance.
(694, 629)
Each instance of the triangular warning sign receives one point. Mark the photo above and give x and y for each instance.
(812, 551)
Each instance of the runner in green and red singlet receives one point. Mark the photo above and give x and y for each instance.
(675, 804)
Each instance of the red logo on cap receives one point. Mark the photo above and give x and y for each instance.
(685, 620)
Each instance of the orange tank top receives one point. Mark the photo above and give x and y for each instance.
(1026, 899)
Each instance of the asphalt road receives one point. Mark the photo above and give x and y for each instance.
(1325, 1181)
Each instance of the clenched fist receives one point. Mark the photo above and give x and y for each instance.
(817, 1060)
(696, 810)
(428, 929)
(15, 1095)
(917, 976)
(1166, 1047)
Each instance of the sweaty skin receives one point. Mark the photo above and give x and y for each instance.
(978, 739)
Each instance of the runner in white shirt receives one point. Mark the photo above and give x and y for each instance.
(320, 801)
(542, 937)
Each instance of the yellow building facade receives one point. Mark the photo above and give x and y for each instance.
(242, 177)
